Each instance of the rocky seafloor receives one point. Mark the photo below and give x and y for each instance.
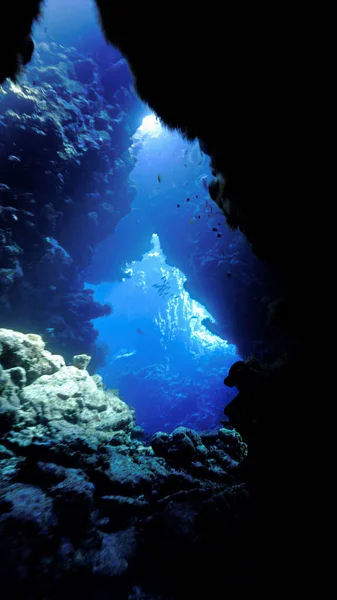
(90, 506)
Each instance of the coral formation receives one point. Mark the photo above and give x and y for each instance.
(59, 108)
(86, 502)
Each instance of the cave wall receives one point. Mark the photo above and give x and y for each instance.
(64, 168)
(238, 91)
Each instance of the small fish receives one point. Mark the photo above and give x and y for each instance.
(13, 158)
(178, 205)
(187, 199)
(219, 235)
(138, 330)
(204, 183)
(214, 229)
(185, 165)
(198, 216)
(229, 274)
(194, 317)
(192, 221)
(123, 353)
(159, 177)
(196, 196)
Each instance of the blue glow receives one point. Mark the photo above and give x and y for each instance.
(156, 339)
(151, 125)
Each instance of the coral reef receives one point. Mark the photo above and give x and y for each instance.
(58, 109)
(87, 502)
(46, 395)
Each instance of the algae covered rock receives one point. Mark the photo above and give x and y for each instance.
(123, 476)
(27, 350)
(81, 361)
(41, 398)
(182, 445)
(71, 397)
(99, 382)
(233, 443)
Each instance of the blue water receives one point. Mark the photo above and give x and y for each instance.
(162, 358)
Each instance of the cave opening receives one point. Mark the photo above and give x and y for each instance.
(163, 351)
(160, 355)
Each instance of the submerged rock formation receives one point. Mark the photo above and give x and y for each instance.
(80, 146)
(45, 397)
(87, 502)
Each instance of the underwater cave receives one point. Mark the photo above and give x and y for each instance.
(154, 339)
(160, 354)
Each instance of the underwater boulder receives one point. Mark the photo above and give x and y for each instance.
(232, 443)
(183, 445)
(160, 443)
(99, 382)
(27, 351)
(81, 361)
(69, 398)
(123, 476)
